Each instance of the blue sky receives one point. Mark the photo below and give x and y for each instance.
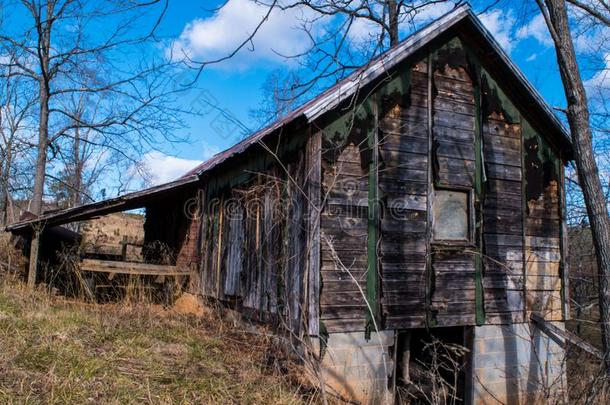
(234, 85)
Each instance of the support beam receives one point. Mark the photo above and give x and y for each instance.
(372, 313)
(557, 334)
(478, 192)
(34, 255)
(314, 181)
(141, 269)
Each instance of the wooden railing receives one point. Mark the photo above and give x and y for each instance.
(117, 267)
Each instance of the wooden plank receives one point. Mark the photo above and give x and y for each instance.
(456, 150)
(314, 177)
(503, 172)
(558, 334)
(234, 256)
(393, 225)
(498, 128)
(106, 266)
(400, 321)
(506, 157)
(505, 201)
(452, 121)
(404, 174)
(452, 88)
(502, 187)
(502, 143)
(352, 312)
(447, 104)
(400, 188)
(397, 126)
(454, 134)
(393, 158)
(397, 203)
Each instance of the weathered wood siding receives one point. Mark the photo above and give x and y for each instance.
(253, 240)
(543, 220)
(452, 272)
(339, 236)
(503, 221)
(403, 184)
(435, 118)
(343, 222)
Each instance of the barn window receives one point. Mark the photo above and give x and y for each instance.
(451, 220)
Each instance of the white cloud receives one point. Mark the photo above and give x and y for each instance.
(501, 24)
(590, 40)
(363, 30)
(600, 82)
(425, 13)
(206, 39)
(531, 57)
(162, 168)
(432, 11)
(536, 29)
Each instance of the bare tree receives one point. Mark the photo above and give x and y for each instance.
(16, 113)
(359, 30)
(556, 15)
(279, 93)
(73, 50)
(341, 49)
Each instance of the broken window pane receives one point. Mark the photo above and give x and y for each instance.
(450, 215)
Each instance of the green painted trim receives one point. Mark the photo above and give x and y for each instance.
(478, 191)
(562, 262)
(373, 223)
(429, 318)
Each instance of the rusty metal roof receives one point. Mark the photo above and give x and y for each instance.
(87, 211)
(331, 98)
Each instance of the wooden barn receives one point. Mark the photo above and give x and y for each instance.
(419, 202)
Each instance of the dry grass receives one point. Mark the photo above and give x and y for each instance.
(60, 352)
(9, 256)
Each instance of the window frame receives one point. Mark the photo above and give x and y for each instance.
(470, 217)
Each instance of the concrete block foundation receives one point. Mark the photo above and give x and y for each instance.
(509, 364)
(517, 364)
(359, 369)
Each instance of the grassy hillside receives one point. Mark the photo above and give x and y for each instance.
(59, 352)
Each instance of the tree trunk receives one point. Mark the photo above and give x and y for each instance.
(39, 180)
(393, 22)
(6, 192)
(6, 164)
(41, 158)
(44, 47)
(588, 175)
(77, 176)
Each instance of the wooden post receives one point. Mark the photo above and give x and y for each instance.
(564, 246)
(429, 195)
(372, 313)
(33, 265)
(478, 191)
(314, 180)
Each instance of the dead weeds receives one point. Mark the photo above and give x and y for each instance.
(55, 351)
